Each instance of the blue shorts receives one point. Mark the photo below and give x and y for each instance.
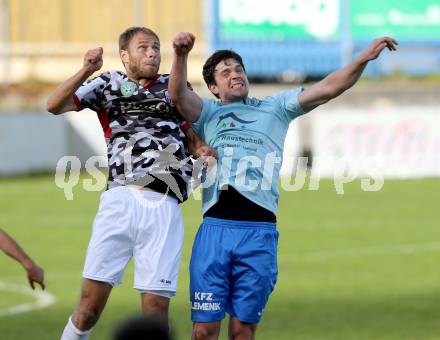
(233, 269)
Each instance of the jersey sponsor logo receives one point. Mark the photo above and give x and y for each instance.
(234, 117)
(241, 139)
(145, 105)
(128, 88)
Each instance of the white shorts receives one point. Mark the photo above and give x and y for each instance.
(145, 225)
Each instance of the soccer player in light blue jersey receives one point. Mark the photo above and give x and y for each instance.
(233, 265)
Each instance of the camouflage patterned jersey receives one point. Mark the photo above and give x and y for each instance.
(145, 143)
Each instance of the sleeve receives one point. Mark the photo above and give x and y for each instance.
(289, 103)
(90, 94)
(208, 107)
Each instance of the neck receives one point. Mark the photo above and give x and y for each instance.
(233, 100)
(140, 80)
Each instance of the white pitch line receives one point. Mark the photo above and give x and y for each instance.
(367, 251)
(43, 299)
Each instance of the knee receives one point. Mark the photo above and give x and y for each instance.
(242, 331)
(205, 332)
(159, 303)
(155, 305)
(201, 333)
(85, 317)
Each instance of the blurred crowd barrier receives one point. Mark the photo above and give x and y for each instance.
(355, 142)
(401, 142)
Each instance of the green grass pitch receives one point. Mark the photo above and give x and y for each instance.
(364, 265)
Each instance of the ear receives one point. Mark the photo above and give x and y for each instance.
(124, 56)
(214, 89)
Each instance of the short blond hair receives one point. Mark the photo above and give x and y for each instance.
(129, 33)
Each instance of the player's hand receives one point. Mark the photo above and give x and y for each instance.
(183, 43)
(206, 150)
(377, 46)
(35, 274)
(93, 59)
(208, 155)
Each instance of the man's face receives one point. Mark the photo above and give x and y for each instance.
(231, 81)
(142, 57)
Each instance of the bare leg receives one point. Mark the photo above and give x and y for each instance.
(155, 305)
(206, 330)
(240, 330)
(94, 295)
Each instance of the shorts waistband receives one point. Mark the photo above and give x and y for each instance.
(144, 194)
(218, 222)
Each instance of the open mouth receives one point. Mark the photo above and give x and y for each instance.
(237, 85)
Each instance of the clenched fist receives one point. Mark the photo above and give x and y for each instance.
(183, 43)
(93, 59)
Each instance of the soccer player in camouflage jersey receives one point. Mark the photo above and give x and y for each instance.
(149, 170)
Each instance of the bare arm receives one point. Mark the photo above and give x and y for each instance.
(197, 147)
(187, 101)
(12, 249)
(339, 81)
(194, 142)
(61, 100)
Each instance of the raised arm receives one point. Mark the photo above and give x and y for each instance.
(61, 99)
(339, 81)
(187, 101)
(12, 249)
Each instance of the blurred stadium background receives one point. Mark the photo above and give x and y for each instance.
(363, 265)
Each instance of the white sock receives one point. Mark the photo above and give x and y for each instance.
(73, 333)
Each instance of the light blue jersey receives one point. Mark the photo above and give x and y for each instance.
(249, 138)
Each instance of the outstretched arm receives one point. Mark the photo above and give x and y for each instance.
(187, 101)
(61, 100)
(339, 81)
(11, 248)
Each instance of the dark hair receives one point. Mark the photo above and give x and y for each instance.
(214, 59)
(143, 327)
(129, 33)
